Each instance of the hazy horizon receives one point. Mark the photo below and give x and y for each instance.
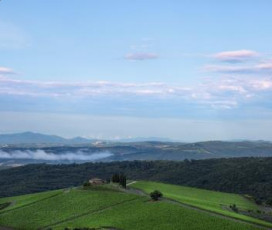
(103, 127)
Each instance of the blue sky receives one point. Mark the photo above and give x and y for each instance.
(116, 69)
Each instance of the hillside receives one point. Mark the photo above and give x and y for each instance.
(252, 176)
(105, 207)
(217, 202)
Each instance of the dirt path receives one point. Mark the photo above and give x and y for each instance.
(140, 192)
(133, 182)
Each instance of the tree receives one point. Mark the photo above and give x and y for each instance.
(119, 178)
(115, 178)
(123, 180)
(155, 195)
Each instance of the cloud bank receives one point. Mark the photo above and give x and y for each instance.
(42, 155)
(223, 92)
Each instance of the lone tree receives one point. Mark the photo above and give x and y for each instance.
(155, 195)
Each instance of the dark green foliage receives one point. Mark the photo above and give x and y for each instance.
(252, 176)
(88, 228)
(269, 201)
(4, 205)
(119, 178)
(81, 229)
(155, 195)
(258, 201)
(234, 208)
(86, 184)
(123, 180)
(115, 178)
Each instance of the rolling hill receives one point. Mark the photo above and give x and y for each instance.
(217, 202)
(108, 207)
(39, 148)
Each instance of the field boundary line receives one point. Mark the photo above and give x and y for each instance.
(26, 205)
(236, 219)
(88, 213)
(173, 201)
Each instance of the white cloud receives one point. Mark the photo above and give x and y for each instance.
(85, 89)
(261, 68)
(235, 56)
(5, 70)
(223, 92)
(141, 56)
(265, 66)
(230, 69)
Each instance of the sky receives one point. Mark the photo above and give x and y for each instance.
(186, 70)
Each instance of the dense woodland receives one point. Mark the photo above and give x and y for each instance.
(251, 176)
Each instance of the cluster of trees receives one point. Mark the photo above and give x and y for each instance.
(252, 176)
(119, 178)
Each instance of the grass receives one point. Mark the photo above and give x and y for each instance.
(142, 215)
(217, 202)
(105, 206)
(23, 200)
(61, 207)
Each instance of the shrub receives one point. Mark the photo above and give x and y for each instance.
(269, 202)
(258, 201)
(86, 184)
(155, 195)
(234, 208)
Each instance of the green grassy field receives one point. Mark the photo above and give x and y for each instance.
(142, 215)
(104, 206)
(25, 200)
(217, 202)
(68, 204)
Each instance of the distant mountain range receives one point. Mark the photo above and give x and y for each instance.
(28, 147)
(144, 139)
(37, 138)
